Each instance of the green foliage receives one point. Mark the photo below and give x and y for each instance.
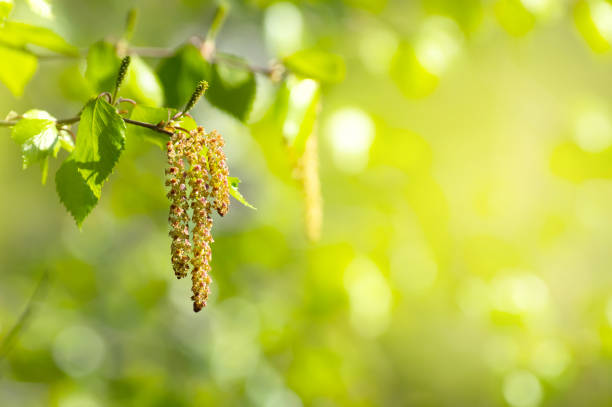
(234, 182)
(232, 87)
(141, 82)
(102, 66)
(73, 84)
(20, 34)
(100, 141)
(18, 63)
(179, 73)
(318, 65)
(38, 137)
(17, 74)
(231, 84)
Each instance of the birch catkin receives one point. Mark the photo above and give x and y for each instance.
(197, 177)
(176, 178)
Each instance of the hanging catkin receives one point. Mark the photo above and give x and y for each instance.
(197, 176)
(176, 179)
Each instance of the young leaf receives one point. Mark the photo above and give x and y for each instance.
(319, 65)
(37, 135)
(65, 142)
(16, 68)
(232, 87)
(100, 141)
(20, 34)
(234, 182)
(187, 122)
(5, 8)
(180, 74)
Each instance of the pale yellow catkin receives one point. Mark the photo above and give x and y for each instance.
(197, 177)
(179, 205)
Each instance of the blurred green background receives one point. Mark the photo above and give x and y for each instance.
(464, 259)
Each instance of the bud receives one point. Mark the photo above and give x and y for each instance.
(197, 94)
(125, 63)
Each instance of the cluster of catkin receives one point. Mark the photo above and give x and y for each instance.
(197, 178)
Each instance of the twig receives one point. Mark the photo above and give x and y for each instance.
(148, 126)
(9, 339)
(159, 52)
(9, 123)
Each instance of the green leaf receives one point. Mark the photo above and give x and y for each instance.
(100, 141)
(315, 64)
(5, 8)
(232, 87)
(73, 84)
(20, 34)
(102, 66)
(37, 136)
(151, 115)
(234, 182)
(181, 73)
(16, 69)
